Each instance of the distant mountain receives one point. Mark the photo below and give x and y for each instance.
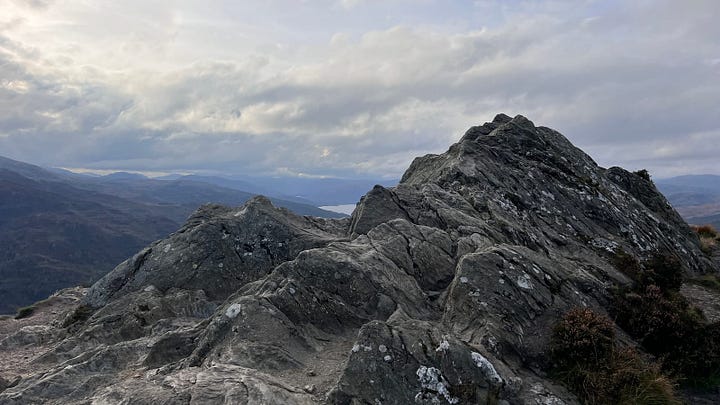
(713, 220)
(54, 235)
(59, 229)
(124, 176)
(315, 191)
(696, 197)
(709, 182)
(187, 194)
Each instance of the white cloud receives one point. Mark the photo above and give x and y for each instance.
(356, 92)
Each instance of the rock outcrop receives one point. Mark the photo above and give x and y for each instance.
(440, 290)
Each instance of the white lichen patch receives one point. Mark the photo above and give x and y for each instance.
(444, 345)
(387, 358)
(487, 368)
(433, 386)
(233, 310)
(357, 347)
(167, 248)
(523, 281)
(543, 396)
(604, 244)
(382, 348)
(463, 280)
(221, 265)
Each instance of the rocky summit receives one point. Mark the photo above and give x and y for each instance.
(442, 290)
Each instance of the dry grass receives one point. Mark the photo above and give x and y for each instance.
(705, 231)
(709, 237)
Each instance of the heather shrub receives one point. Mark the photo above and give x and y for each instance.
(655, 314)
(627, 264)
(586, 359)
(582, 337)
(657, 320)
(663, 270)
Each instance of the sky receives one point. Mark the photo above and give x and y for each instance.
(352, 88)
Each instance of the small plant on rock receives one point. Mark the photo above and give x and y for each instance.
(25, 312)
(643, 173)
(627, 264)
(582, 337)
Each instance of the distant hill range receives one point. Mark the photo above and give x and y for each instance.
(307, 190)
(695, 197)
(60, 229)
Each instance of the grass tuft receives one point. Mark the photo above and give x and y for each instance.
(25, 312)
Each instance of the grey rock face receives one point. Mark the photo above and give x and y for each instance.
(219, 250)
(440, 290)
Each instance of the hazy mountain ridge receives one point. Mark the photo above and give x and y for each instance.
(59, 229)
(316, 191)
(54, 235)
(695, 197)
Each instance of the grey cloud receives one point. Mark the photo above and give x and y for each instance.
(633, 84)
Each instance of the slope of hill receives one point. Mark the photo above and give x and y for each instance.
(54, 235)
(59, 229)
(443, 289)
(696, 197)
(187, 194)
(713, 220)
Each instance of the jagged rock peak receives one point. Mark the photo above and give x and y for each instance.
(504, 141)
(476, 132)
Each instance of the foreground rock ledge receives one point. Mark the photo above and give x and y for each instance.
(440, 290)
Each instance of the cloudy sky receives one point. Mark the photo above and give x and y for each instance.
(352, 88)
